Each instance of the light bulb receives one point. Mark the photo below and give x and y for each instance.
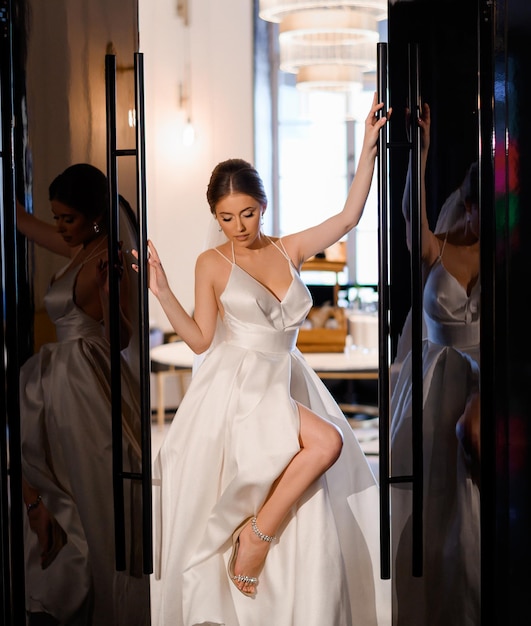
(188, 133)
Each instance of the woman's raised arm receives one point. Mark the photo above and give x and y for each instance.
(41, 233)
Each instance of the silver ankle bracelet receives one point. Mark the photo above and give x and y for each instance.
(260, 534)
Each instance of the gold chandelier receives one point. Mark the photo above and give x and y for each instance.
(328, 45)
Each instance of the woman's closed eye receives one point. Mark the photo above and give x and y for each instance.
(247, 215)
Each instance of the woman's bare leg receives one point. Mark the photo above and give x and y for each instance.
(321, 444)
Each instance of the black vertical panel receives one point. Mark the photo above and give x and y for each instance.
(114, 315)
(383, 326)
(412, 290)
(143, 325)
(507, 509)
(6, 162)
(490, 312)
(417, 479)
(114, 152)
(16, 344)
(433, 58)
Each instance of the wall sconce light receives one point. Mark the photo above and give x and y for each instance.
(184, 104)
(185, 87)
(188, 133)
(182, 10)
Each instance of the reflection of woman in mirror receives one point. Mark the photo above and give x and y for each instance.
(268, 506)
(448, 590)
(65, 407)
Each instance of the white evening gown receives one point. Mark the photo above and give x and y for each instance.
(448, 593)
(65, 407)
(232, 436)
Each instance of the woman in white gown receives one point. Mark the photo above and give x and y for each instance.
(448, 592)
(268, 511)
(66, 432)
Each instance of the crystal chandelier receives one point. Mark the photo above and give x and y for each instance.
(328, 45)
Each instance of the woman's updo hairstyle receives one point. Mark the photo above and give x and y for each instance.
(84, 188)
(452, 217)
(234, 176)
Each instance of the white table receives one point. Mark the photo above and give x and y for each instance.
(178, 354)
(356, 364)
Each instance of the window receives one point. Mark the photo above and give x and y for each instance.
(318, 145)
(314, 145)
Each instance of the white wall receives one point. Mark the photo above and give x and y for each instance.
(220, 35)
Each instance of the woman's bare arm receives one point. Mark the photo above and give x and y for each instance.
(41, 233)
(429, 242)
(197, 330)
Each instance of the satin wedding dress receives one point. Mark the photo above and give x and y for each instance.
(65, 406)
(449, 590)
(235, 431)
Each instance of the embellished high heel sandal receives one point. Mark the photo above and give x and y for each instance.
(241, 578)
(251, 580)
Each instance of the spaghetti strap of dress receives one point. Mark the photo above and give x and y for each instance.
(281, 248)
(443, 246)
(226, 258)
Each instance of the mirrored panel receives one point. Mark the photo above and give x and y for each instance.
(435, 302)
(68, 385)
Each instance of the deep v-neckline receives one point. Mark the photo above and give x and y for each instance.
(264, 287)
(258, 282)
(470, 286)
(468, 290)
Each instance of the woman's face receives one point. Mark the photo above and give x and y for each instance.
(239, 216)
(73, 226)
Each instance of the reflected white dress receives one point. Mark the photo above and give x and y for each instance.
(232, 436)
(448, 593)
(65, 407)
